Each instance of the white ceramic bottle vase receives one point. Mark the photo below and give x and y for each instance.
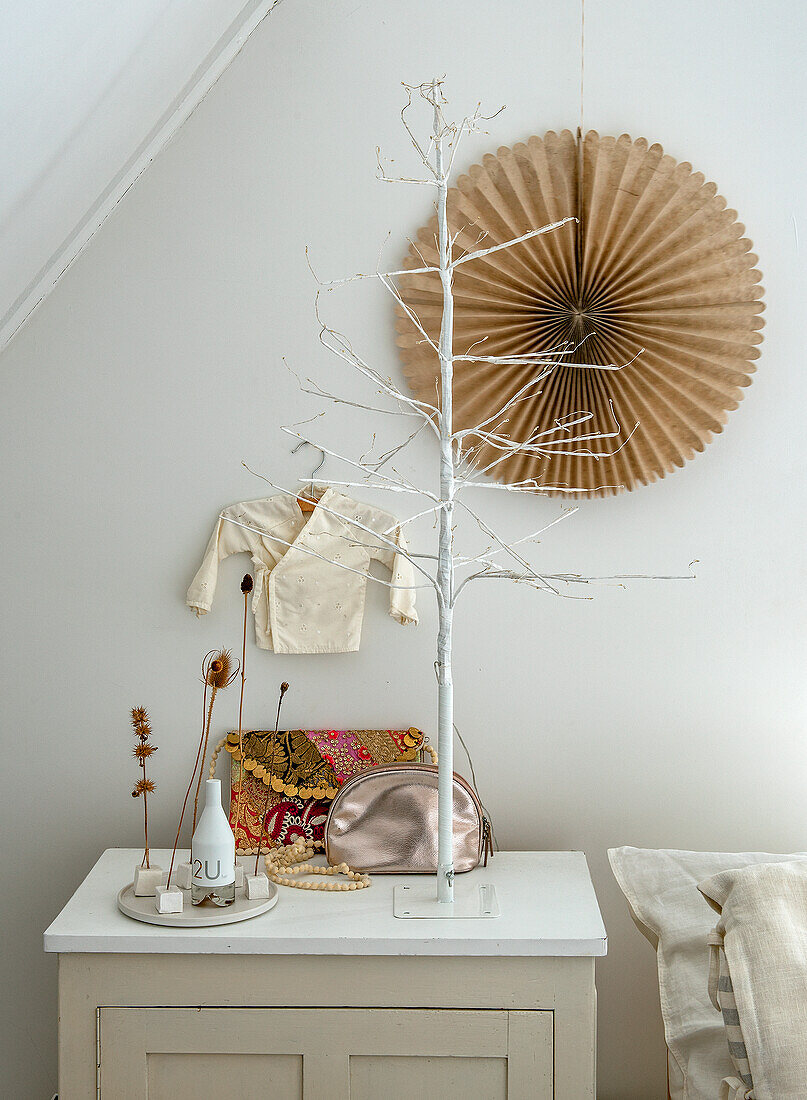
(213, 852)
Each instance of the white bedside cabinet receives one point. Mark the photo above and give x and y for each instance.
(330, 997)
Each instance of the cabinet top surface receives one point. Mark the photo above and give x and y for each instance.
(547, 902)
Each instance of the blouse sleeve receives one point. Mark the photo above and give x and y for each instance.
(227, 538)
(402, 592)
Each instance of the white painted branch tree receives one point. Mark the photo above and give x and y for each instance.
(446, 572)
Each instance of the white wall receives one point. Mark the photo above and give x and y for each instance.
(664, 715)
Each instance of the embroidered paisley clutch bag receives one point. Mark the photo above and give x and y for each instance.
(294, 775)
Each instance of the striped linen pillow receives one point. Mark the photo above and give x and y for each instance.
(758, 976)
(721, 994)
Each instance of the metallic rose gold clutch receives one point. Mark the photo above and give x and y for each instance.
(384, 820)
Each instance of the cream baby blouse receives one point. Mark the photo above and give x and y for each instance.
(301, 603)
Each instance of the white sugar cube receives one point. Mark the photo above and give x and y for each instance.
(182, 875)
(169, 899)
(146, 881)
(257, 887)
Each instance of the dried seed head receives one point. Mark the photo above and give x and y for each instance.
(246, 583)
(142, 786)
(140, 723)
(221, 670)
(143, 751)
(284, 687)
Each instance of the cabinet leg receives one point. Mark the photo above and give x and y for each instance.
(576, 1034)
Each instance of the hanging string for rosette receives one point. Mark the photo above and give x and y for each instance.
(579, 211)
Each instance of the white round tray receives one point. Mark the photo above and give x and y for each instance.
(195, 916)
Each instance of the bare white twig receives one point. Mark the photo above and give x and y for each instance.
(336, 483)
(401, 483)
(390, 544)
(381, 174)
(503, 546)
(316, 390)
(541, 581)
(331, 283)
(341, 347)
(322, 557)
(490, 553)
(481, 253)
(388, 285)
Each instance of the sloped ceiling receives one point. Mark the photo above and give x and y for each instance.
(89, 93)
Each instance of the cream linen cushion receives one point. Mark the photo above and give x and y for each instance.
(661, 888)
(763, 929)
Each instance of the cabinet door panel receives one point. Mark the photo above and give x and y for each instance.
(176, 1076)
(396, 1077)
(325, 1054)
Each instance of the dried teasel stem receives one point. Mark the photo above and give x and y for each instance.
(246, 588)
(207, 657)
(205, 737)
(284, 687)
(142, 750)
(219, 674)
(146, 862)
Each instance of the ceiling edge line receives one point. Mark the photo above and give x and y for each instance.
(170, 122)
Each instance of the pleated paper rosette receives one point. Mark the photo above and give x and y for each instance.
(656, 273)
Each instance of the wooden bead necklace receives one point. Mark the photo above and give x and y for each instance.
(292, 859)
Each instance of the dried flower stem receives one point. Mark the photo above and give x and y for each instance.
(143, 749)
(284, 687)
(145, 862)
(218, 673)
(246, 588)
(205, 738)
(190, 783)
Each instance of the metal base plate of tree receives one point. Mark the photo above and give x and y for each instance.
(474, 899)
(653, 271)
(447, 573)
